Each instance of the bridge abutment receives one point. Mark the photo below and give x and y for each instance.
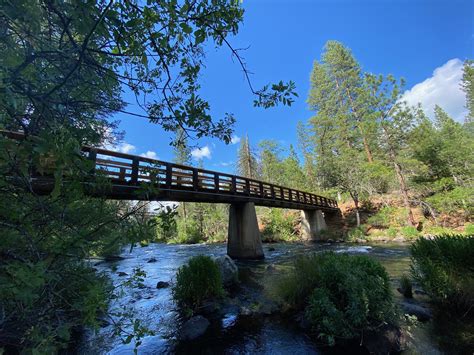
(312, 224)
(244, 241)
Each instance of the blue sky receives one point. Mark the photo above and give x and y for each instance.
(423, 41)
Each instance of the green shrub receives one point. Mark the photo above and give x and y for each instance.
(279, 225)
(342, 295)
(444, 267)
(409, 232)
(459, 198)
(197, 281)
(357, 233)
(392, 232)
(388, 216)
(469, 229)
(438, 230)
(188, 232)
(406, 286)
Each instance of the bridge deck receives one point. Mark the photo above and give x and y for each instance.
(134, 177)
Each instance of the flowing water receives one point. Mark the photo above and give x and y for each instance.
(230, 334)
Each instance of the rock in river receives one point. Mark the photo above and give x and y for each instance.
(162, 284)
(193, 328)
(152, 260)
(422, 314)
(229, 271)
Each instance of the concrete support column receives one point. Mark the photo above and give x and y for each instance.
(312, 223)
(244, 241)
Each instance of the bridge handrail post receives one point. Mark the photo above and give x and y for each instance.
(233, 187)
(216, 182)
(247, 186)
(298, 196)
(92, 157)
(195, 179)
(282, 195)
(272, 191)
(290, 195)
(169, 175)
(260, 186)
(135, 164)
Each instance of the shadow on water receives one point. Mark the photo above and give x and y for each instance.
(233, 333)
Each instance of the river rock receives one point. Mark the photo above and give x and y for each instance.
(359, 240)
(387, 340)
(121, 273)
(152, 260)
(399, 239)
(162, 284)
(422, 314)
(271, 249)
(229, 271)
(193, 328)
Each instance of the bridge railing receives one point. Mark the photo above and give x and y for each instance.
(130, 169)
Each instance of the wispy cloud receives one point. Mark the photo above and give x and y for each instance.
(442, 89)
(199, 153)
(124, 147)
(150, 154)
(226, 163)
(235, 139)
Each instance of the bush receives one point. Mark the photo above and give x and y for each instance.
(392, 232)
(197, 281)
(406, 287)
(409, 232)
(469, 229)
(388, 216)
(188, 232)
(444, 267)
(342, 295)
(459, 198)
(357, 233)
(279, 225)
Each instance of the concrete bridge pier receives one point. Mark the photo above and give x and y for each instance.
(244, 240)
(313, 225)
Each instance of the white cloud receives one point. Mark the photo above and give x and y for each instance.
(150, 154)
(126, 148)
(199, 153)
(442, 89)
(227, 163)
(235, 139)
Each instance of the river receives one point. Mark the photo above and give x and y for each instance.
(231, 334)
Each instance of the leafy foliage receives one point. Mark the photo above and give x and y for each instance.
(279, 225)
(343, 295)
(197, 281)
(444, 267)
(406, 286)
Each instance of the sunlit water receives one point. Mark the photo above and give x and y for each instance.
(231, 334)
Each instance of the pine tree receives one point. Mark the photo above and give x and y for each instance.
(467, 85)
(247, 162)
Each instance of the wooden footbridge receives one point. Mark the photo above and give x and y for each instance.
(133, 177)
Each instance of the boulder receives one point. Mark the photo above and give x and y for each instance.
(229, 271)
(387, 340)
(271, 249)
(422, 314)
(152, 260)
(399, 239)
(121, 273)
(162, 284)
(193, 328)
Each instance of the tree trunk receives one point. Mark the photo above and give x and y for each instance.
(355, 198)
(403, 186)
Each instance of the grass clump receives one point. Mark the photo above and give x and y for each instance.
(406, 287)
(342, 295)
(469, 229)
(444, 267)
(409, 232)
(197, 281)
